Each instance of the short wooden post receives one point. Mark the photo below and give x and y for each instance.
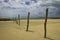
(28, 21)
(45, 23)
(19, 18)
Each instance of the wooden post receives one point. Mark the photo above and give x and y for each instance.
(19, 18)
(28, 21)
(45, 29)
(16, 20)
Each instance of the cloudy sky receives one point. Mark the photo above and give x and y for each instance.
(11, 8)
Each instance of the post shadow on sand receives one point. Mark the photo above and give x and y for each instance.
(30, 31)
(49, 38)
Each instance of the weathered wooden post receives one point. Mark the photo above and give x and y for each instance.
(45, 23)
(28, 21)
(19, 18)
(16, 20)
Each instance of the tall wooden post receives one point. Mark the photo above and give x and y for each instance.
(19, 18)
(45, 23)
(28, 21)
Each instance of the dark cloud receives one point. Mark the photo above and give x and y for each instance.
(6, 0)
(34, 1)
(27, 3)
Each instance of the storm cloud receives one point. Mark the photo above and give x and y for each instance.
(37, 8)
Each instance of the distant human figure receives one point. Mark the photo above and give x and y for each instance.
(6, 0)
